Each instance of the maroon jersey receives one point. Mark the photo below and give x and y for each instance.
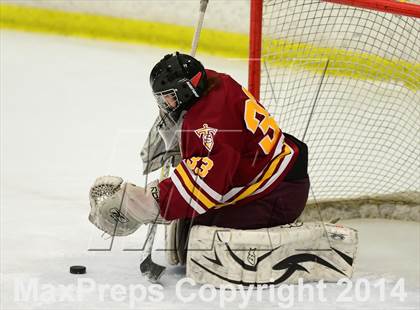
(233, 152)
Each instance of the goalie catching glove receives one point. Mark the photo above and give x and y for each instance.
(119, 208)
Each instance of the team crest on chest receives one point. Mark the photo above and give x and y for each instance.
(206, 134)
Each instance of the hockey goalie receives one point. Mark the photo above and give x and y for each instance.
(238, 185)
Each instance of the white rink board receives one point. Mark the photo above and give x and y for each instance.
(224, 15)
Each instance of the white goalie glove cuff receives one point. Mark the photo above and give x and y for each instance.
(119, 209)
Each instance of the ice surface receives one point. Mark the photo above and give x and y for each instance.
(72, 110)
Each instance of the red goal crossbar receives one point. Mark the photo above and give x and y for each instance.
(256, 14)
(387, 6)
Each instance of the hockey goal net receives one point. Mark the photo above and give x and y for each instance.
(345, 78)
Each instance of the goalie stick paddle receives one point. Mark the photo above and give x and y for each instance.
(148, 268)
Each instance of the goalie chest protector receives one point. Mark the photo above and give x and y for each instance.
(233, 152)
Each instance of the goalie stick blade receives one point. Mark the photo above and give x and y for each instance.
(150, 270)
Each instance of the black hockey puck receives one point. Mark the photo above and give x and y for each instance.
(78, 269)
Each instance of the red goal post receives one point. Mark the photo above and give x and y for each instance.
(360, 121)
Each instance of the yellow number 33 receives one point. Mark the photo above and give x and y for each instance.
(252, 108)
(203, 169)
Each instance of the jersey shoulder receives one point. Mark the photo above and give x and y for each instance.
(223, 80)
(219, 103)
(219, 113)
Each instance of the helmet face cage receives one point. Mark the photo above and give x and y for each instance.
(167, 100)
(177, 81)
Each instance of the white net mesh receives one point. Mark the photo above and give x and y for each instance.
(346, 81)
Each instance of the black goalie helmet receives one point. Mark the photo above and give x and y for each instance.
(178, 81)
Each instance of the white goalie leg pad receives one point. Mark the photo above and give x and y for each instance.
(283, 254)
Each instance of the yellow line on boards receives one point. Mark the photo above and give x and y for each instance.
(120, 29)
(295, 56)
